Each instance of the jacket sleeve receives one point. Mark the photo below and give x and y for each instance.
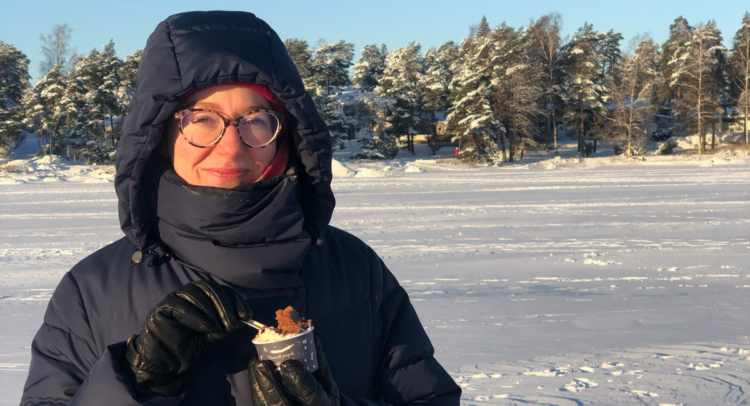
(67, 369)
(407, 372)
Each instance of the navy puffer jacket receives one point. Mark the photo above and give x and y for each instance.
(270, 241)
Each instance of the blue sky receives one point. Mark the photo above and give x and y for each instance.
(393, 22)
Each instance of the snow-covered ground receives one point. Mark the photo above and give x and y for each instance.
(552, 281)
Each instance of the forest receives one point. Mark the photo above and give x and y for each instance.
(494, 95)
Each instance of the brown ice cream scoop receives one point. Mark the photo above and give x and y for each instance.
(290, 321)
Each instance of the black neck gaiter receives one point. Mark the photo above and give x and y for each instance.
(251, 236)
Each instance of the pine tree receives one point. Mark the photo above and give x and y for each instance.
(83, 82)
(106, 93)
(609, 50)
(374, 139)
(92, 93)
(370, 66)
(436, 80)
(697, 76)
(401, 85)
(300, 53)
(517, 88)
(45, 109)
(680, 32)
(128, 75)
(471, 116)
(331, 108)
(14, 80)
(635, 80)
(740, 71)
(583, 84)
(545, 58)
(331, 63)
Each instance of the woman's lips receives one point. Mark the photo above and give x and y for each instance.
(227, 173)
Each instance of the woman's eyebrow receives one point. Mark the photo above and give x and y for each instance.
(214, 107)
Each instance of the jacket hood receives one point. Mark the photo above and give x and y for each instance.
(198, 49)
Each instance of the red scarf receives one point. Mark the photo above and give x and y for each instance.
(278, 163)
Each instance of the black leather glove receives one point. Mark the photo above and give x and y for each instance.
(178, 331)
(292, 384)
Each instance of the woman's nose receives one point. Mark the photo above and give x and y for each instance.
(230, 143)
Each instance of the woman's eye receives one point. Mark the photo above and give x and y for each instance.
(203, 119)
(254, 121)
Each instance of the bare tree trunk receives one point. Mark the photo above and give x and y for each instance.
(431, 141)
(104, 141)
(502, 145)
(701, 129)
(554, 130)
(122, 121)
(630, 147)
(112, 132)
(581, 142)
(511, 145)
(747, 83)
(713, 135)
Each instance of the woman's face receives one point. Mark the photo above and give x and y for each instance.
(228, 163)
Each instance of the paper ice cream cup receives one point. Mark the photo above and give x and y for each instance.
(300, 347)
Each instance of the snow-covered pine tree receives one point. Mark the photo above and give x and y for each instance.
(698, 67)
(128, 75)
(331, 108)
(740, 71)
(634, 81)
(14, 80)
(401, 85)
(438, 74)
(680, 32)
(370, 66)
(609, 50)
(107, 93)
(84, 79)
(545, 58)
(91, 92)
(45, 113)
(300, 53)
(471, 116)
(517, 88)
(370, 114)
(331, 63)
(583, 87)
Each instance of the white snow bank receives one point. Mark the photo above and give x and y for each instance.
(51, 168)
(340, 170)
(372, 173)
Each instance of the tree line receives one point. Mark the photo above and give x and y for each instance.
(498, 93)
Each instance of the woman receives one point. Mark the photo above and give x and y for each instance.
(223, 180)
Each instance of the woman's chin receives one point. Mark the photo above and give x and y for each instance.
(224, 180)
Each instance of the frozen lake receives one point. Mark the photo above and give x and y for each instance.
(619, 284)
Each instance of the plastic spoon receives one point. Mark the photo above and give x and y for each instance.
(254, 324)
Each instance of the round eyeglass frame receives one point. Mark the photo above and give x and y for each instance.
(227, 122)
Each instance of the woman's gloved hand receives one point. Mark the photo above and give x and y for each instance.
(178, 331)
(292, 384)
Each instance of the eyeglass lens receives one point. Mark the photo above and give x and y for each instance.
(203, 128)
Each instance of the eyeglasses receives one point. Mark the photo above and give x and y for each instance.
(203, 128)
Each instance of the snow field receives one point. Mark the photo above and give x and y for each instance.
(587, 283)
